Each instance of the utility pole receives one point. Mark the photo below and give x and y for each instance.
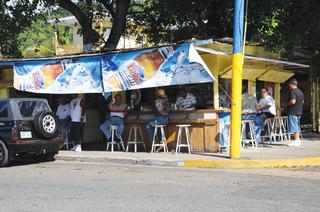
(237, 64)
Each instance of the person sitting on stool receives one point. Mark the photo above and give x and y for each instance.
(117, 114)
(163, 107)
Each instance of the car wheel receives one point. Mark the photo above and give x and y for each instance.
(45, 157)
(4, 154)
(46, 124)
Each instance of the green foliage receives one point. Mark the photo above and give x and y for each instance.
(37, 40)
(15, 16)
(275, 24)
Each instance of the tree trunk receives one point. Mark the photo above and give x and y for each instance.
(119, 22)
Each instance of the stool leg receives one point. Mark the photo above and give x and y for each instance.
(135, 139)
(141, 136)
(112, 140)
(243, 131)
(253, 140)
(178, 140)
(153, 140)
(164, 140)
(129, 138)
(187, 138)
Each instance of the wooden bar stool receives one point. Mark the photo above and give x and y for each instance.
(163, 141)
(179, 138)
(134, 141)
(114, 132)
(244, 139)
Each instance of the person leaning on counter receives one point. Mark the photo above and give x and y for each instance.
(186, 100)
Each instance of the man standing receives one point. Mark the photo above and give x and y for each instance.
(186, 101)
(162, 106)
(117, 113)
(63, 112)
(295, 110)
(77, 120)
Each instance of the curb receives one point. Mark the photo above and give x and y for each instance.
(119, 160)
(234, 164)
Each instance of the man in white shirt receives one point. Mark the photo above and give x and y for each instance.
(117, 114)
(186, 101)
(63, 112)
(77, 119)
(266, 107)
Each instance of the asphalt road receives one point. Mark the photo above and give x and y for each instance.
(70, 186)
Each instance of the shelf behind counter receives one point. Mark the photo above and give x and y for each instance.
(204, 130)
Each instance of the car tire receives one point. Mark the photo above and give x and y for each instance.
(4, 154)
(46, 124)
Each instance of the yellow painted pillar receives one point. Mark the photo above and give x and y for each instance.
(213, 63)
(215, 84)
(277, 98)
(236, 107)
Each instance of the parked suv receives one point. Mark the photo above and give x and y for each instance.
(28, 125)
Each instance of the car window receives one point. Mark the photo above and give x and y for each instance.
(31, 108)
(3, 109)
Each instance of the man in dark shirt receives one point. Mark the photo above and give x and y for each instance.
(295, 110)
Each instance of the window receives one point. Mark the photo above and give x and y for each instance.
(31, 108)
(3, 109)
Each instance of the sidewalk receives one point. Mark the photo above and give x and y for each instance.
(265, 156)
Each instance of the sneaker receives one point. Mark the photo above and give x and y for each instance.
(73, 148)
(78, 148)
(295, 143)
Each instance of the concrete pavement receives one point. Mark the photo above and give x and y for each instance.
(265, 156)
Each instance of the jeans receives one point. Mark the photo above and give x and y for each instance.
(258, 124)
(113, 120)
(294, 123)
(63, 127)
(158, 120)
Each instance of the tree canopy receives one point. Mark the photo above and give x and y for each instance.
(277, 24)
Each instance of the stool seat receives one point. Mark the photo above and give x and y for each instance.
(179, 138)
(244, 139)
(114, 132)
(163, 140)
(134, 141)
(183, 125)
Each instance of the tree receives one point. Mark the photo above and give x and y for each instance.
(86, 10)
(37, 40)
(276, 24)
(15, 16)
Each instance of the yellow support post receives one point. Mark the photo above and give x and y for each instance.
(237, 65)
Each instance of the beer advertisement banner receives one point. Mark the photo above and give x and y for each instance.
(153, 67)
(75, 75)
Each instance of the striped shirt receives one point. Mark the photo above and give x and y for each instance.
(186, 103)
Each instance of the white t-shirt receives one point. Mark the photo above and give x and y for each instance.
(63, 111)
(75, 110)
(268, 100)
(121, 107)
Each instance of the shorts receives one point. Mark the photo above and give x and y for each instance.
(294, 123)
(76, 131)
